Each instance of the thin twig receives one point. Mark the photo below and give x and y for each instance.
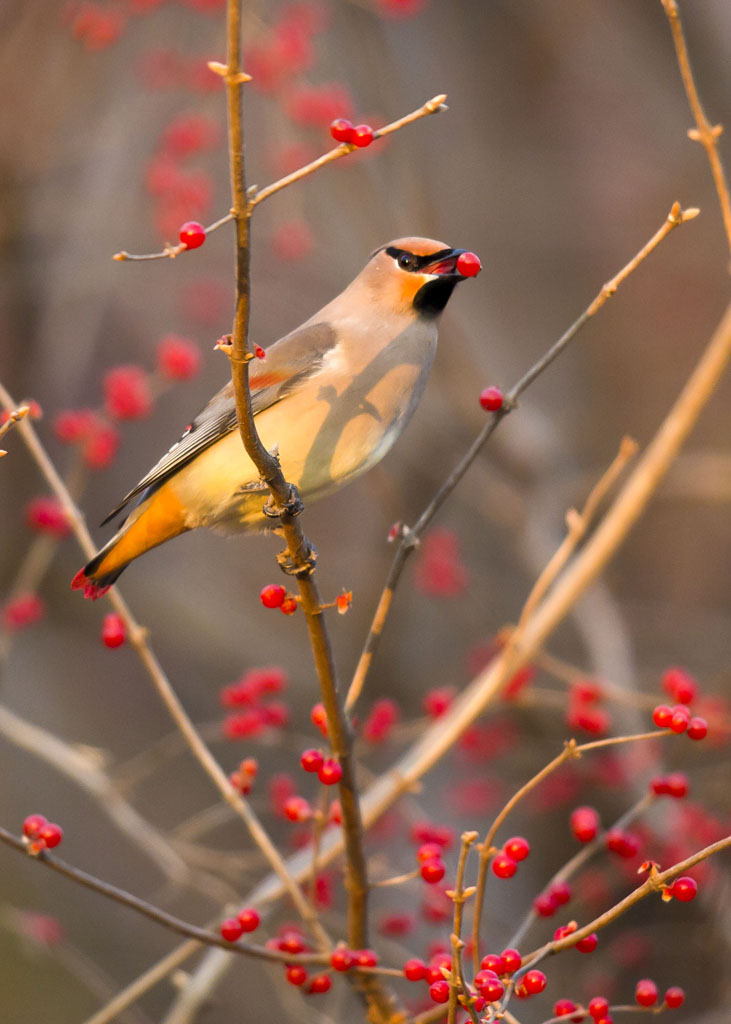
(459, 895)
(704, 132)
(175, 924)
(654, 883)
(432, 106)
(410, 537)
(13, 416)
(170, 251)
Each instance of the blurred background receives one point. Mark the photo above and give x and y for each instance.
(563, 150)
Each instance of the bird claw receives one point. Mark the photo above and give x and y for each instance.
(293, 506)
(304, 566)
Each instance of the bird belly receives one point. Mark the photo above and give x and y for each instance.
(326, 434)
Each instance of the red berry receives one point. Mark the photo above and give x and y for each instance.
(646, 992)
(623, 843)
(341, 130)
(178, 358)
(415, 969)
(584, 823)
(563, 1007)
(288, 606)
(677, 785)
(22, 611)
(681, 686)
(290, 941)
(330, 772)
(429, 851)
(312, 760)
(491, 399)
(46, 514)
(231, 929)
(192, 234)
(341, 959)
(674, 997)
(33, 825)
(534, 981)
(272, 595)
(598, 1007)
(259, 352)
(437, 702)
(545, 904)
(362, 136)
(439, 991)
(659, 785)
(318, 717)
(101, 447)
(433, 870)
(365, 958)
(319, 984)
(588, 944)
(697, 728)
(489, 985)
(680, 719)
(662, 716)
(296, 808)
(127, 393)
(296, 974)
(684, 889)
(511, 959)
(249, 919)
(564, 930)
(493, 962)
(504, 866)
(561, 893)
(517, 848)
(114, 632)
(468, 264)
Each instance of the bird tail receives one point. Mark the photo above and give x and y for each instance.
(151, 523)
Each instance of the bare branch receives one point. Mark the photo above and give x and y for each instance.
(704, 132)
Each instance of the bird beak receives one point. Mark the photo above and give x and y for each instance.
(445, 265)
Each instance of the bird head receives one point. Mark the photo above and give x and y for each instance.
(417, 275)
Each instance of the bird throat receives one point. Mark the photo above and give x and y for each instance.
(433, 296)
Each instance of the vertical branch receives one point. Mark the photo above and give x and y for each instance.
(284, 504)
(704, 132)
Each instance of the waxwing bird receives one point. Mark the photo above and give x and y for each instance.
(330, 398)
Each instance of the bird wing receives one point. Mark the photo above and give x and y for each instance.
(289, 362)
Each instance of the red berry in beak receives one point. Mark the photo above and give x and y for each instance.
(468, 264)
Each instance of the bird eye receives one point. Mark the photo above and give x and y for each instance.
(407, 261)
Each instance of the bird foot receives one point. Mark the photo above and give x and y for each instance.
(291, 507)
(301, 567)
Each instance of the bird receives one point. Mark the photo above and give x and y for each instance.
(329, 399)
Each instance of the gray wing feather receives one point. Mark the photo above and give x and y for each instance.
(298, 354)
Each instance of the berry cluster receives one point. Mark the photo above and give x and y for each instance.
(342, 130)
(505, 862)
(247, 920)
(678, 719)
(254, 713)
(274, 595)
(41, 834)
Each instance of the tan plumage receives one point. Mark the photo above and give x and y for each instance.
(331, 398)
